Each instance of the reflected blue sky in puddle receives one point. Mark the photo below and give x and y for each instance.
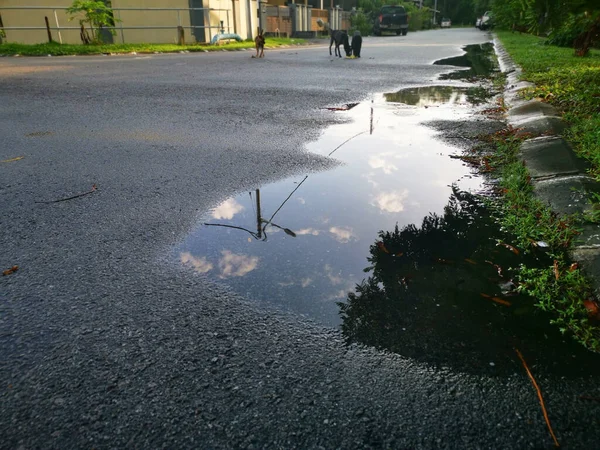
(301, 244)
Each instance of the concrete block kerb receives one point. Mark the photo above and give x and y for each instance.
(566, 195)
(550, 156)
(558, 175)
(532, 108)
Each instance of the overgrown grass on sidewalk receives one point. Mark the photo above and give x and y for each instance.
(561, 288)
(570, 83)
(573, 85)
(56, 49)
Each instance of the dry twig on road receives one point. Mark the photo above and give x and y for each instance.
(71, 198)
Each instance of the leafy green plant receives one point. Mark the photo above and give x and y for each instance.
(562, 289)
(361, 22)
(96, 14)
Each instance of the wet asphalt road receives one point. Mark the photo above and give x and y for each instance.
(105, 342)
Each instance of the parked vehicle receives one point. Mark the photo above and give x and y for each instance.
(478, 23)
(391, 19)
(486, 21)
(446, 23)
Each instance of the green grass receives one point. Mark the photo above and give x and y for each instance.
(56, 49)
(561, 288)
(570, 83)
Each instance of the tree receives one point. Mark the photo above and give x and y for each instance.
(96, 14)
(443, 293)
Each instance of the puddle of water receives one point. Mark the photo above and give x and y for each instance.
(438, 95)
(443, 293)
(301, 243)
(478, 59)
(341, 246)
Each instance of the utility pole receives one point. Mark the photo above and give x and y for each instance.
(434, 12)
(258, 217)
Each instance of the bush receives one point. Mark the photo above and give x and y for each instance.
(565, 35)
(419, 19)
(361, 22)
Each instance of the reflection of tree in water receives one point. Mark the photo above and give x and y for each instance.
(439, 95)
(478, 58)
(442, 294)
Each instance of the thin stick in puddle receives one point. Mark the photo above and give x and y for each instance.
(539, 394)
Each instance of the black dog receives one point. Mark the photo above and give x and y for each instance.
(340, 38)
(356, 44)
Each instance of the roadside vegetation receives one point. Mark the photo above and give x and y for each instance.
(561, 288)
(56, 49)
(571, 84)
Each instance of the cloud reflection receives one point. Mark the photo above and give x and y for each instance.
(342, 234)
(227, 209)
(391, 201)
(310, 231)
(306, 282)
(232, 265)
(377, 162)
(200, 265)
(334, 278)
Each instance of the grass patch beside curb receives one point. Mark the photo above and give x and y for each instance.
(570, 83)
(561, 289)
(56, 49)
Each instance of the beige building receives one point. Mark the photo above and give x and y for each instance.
(138, 21)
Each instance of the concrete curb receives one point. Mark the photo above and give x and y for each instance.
(558, 175)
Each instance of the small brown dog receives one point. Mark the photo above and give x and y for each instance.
(259, 43)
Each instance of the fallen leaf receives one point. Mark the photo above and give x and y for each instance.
(573, 267)
(12, 159)
(510, 247)
(470, 261)
(399, 254)
(501, 301)
(592, 307)
(488, 168)
(11, 270)
(556, 272)
(485, 295)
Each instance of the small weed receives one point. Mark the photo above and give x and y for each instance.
(561, 290)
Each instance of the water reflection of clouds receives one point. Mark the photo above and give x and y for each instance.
(310, 231)
(227, 209)
(377, 162)
(370, 177)
(306, 282)
(342, 234)
(339, 294)
(383, 161)
(232, 265)
(391, 201)
(200, 265)
(335, 279)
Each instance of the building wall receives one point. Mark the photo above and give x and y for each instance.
(35, 18)
(169, 19)
(245, 27)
